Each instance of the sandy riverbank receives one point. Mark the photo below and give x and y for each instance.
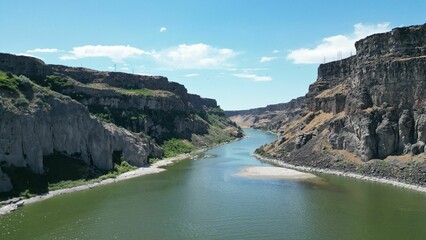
(345, 174)
(274, 172)
(151, 169)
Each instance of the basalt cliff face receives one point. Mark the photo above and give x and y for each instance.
(365, 108)
(92, 115)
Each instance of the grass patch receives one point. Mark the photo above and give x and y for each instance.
(69, 184)
(141, 91)
(174, 147)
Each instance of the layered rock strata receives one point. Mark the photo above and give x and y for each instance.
(365, 107)
(92, 115)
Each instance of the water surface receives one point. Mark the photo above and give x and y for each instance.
(203, 199)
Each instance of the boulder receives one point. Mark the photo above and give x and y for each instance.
(417, 148)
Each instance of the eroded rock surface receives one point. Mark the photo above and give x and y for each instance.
(369, 106)
(90, 115)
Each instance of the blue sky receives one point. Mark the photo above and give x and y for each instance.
(244, 53)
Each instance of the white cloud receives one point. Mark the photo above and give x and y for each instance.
(337, 46)
(163, 29)
(276, 51)
(267, 59)
(253, 77)
(124, 68)
(28, 55)
(116, 53)
(192, 75)
(43, 50)
(195, 56)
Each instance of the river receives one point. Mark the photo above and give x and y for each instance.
(203, 199)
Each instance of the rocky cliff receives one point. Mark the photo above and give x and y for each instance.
(92, 116)
(363, 108)
(269, 118)
(36, 121)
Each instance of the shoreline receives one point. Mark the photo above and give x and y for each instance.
(392, 182)
(151, 169)
(154, 168)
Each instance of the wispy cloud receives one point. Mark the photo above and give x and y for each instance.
(276, 51)
(266, 59)
(253, 69)
(336, 46)
(254, 77)
(191, 75)
(163, 29)
(116, 53)
(43, 50)
(195, 56)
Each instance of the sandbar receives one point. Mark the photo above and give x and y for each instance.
(274, 172)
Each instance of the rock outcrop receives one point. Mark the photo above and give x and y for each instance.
(381, 91)
(44, 121)
(368, 106)
(148, 104)
(92, 115)
(271, 117)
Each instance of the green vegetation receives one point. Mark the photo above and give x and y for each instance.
(26, 194)
(141, 91)
(20, 85)
(260, 151)
(216, 111)
(218, 131)
(132, 118)
(70, 184)
(9, 82)
(21, 92)
(174, 147)
(153, 160)
(360, 169)
(55, 83)
(104, 117)
(122, 166)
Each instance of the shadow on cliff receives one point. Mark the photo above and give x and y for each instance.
(58, 170)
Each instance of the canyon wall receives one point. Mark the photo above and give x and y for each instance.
(365, 107)
(91, 115)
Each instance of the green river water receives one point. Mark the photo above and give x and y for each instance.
(203, 199)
